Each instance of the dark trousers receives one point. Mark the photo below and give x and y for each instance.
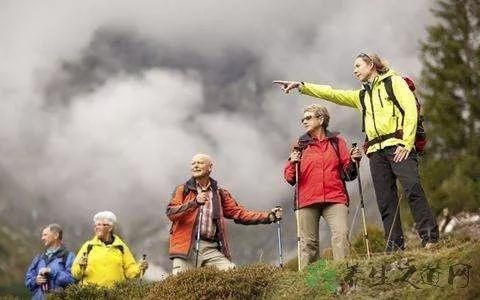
(385, 173)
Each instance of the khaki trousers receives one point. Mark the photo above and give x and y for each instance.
(336, 216)
(208, 255)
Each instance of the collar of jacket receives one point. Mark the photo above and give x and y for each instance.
(307, 139)
(116, 241)
(59, 249)
(57, 253)
(191, 185)
(379, 79)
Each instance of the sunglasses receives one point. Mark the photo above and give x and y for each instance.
(364, 55)
(308, 118)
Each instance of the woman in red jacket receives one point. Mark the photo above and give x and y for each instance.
(325, 163)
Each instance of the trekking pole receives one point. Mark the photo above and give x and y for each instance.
(199, 227)
(297, 213)
(83, 267)
(280, 242)
(362, 204)
(391, 227)
(144, 258)
(353, 222)
(45, 285)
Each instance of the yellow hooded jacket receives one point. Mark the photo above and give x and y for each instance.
(382, 116)
(107, 264)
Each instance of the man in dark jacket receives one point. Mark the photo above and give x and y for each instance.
(201, 192)
(50, 269)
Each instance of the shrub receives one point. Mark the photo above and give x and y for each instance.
(375, 238)
(131, 289)
(250, 282)
(292, 264)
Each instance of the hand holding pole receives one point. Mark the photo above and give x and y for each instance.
(143, 265)
(83, 265)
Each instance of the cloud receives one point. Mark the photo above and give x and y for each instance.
(104, 103)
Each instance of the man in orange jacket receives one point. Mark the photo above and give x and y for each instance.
(202, 192)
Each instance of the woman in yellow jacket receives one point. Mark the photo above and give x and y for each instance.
(105, 259)
(390, 128)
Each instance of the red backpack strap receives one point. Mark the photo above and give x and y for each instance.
(410, 83)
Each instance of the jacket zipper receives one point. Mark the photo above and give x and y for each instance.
(370, 92)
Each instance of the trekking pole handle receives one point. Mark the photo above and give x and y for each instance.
(202, 203)
(354, 145)
(275, 214)
(142, 271)
(84, 255)
(297, 191)
(83, 268)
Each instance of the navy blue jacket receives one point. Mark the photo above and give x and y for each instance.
(60, 264)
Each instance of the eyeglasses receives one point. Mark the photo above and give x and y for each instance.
(308, 118)
(102, 224)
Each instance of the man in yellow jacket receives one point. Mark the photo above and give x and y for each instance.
(105, 259)
(390, 128)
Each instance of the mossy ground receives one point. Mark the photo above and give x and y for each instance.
(450, 271)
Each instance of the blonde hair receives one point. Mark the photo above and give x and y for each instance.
(380, 65)
(319, 111)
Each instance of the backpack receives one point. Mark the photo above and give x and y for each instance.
(343, 175)
(64, 256)
(420, 136)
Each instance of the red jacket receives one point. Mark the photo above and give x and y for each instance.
(183, 211)
(321, 170)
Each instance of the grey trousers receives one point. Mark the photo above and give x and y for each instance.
(336, 216)
(209, 255)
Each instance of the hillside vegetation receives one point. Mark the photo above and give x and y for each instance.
(449, 271)
(16, 252)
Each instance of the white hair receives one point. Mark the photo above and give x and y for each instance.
(105, 215)
(203, 156)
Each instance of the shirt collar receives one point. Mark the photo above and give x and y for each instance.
(51, 251)
(207, 188)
